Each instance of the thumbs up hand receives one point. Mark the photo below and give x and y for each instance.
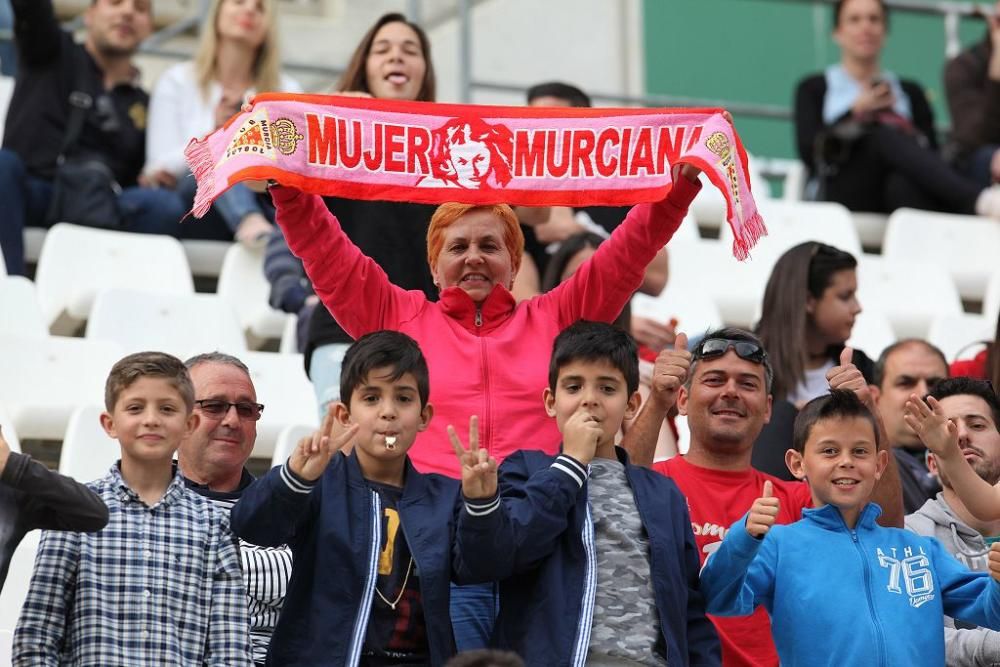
(847, 376)
(763, 513)
(670, 372)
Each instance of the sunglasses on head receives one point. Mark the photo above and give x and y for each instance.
(710, 348)
(218, 408)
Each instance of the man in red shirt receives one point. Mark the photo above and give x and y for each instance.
(723, 388)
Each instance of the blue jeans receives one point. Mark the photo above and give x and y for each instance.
(473, 615)
(26, 201)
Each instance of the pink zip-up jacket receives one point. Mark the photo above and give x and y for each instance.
(492, 361)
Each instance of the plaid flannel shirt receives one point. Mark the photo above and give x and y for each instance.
(159, 585)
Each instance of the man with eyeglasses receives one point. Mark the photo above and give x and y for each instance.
(975, 409)
(723, 388)
(213, 463)
(910, 366)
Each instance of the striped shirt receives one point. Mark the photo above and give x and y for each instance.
(159, 585)
(266, 571)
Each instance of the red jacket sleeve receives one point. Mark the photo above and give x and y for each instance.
(355, 289)
(603, 285)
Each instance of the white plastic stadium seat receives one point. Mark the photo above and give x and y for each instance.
(708, 267)
(15, 589)
(243, 285)
(78, 261)
(285, 391)
(790, 223)
(287, 439)
(180, 324)
(9, 432)
(909, 293)
(204, 256)
(289, 336)
(22, 314)
(694, 309)
(45, 379)
(872, 332)
(87, 451)
(871, 228)
(991, 299)
(960, 336)
(966, 246)
(34, 239)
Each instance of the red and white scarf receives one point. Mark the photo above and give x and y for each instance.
(362, 148)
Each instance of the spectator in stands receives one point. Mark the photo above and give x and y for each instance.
(867, 136)
(948, 520)
(392, 61)
(32, 496)
(102, 78)
(810, 304)
(544, 234)
(972, 84)
(910, 366)
(371, 535)
(161, 583)
(238, 55)
(572, 253)
(585, 523)
(482, 348)
(213, 464)
(985, 365)
(837, 558)
(726, 398)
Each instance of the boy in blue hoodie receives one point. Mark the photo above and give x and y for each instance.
(370, 536)
(873, 595)
(596, 556)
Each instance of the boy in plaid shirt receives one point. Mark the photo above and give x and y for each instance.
(161, 584)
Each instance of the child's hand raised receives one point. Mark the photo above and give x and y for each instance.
(581, 433)
(847, 376)
(479, 469)
(927, 420)
(312, 455)
(763, 512)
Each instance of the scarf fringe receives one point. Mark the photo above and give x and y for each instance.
(199, 158)
(753, 229)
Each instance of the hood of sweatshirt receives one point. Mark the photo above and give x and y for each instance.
(936, 519)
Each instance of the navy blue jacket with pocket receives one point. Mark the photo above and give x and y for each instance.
(334, 527)
(537, 537)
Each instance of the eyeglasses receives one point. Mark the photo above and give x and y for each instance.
(710, 348)
(214, 407)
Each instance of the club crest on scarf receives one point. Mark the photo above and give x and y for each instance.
(254, 137)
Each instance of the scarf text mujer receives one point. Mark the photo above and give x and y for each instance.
(372, 149)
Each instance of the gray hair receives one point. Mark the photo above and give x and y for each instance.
(216, 357)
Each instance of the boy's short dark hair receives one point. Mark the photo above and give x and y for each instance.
(148, 364)
(967, 386)
(384, 349)
(564, 91)
(838, 404)
(595, 341)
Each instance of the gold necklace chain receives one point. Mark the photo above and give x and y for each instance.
(402, 589)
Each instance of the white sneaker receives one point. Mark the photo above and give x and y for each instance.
(988, 202)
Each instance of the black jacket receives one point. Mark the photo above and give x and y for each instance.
(32, 496)
(115, 130)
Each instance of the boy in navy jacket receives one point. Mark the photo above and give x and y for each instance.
(370, 536)
(596, 556)
(872, 595)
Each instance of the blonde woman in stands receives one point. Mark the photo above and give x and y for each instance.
(237, 56)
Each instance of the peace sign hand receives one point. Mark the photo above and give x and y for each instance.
(479, 469)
